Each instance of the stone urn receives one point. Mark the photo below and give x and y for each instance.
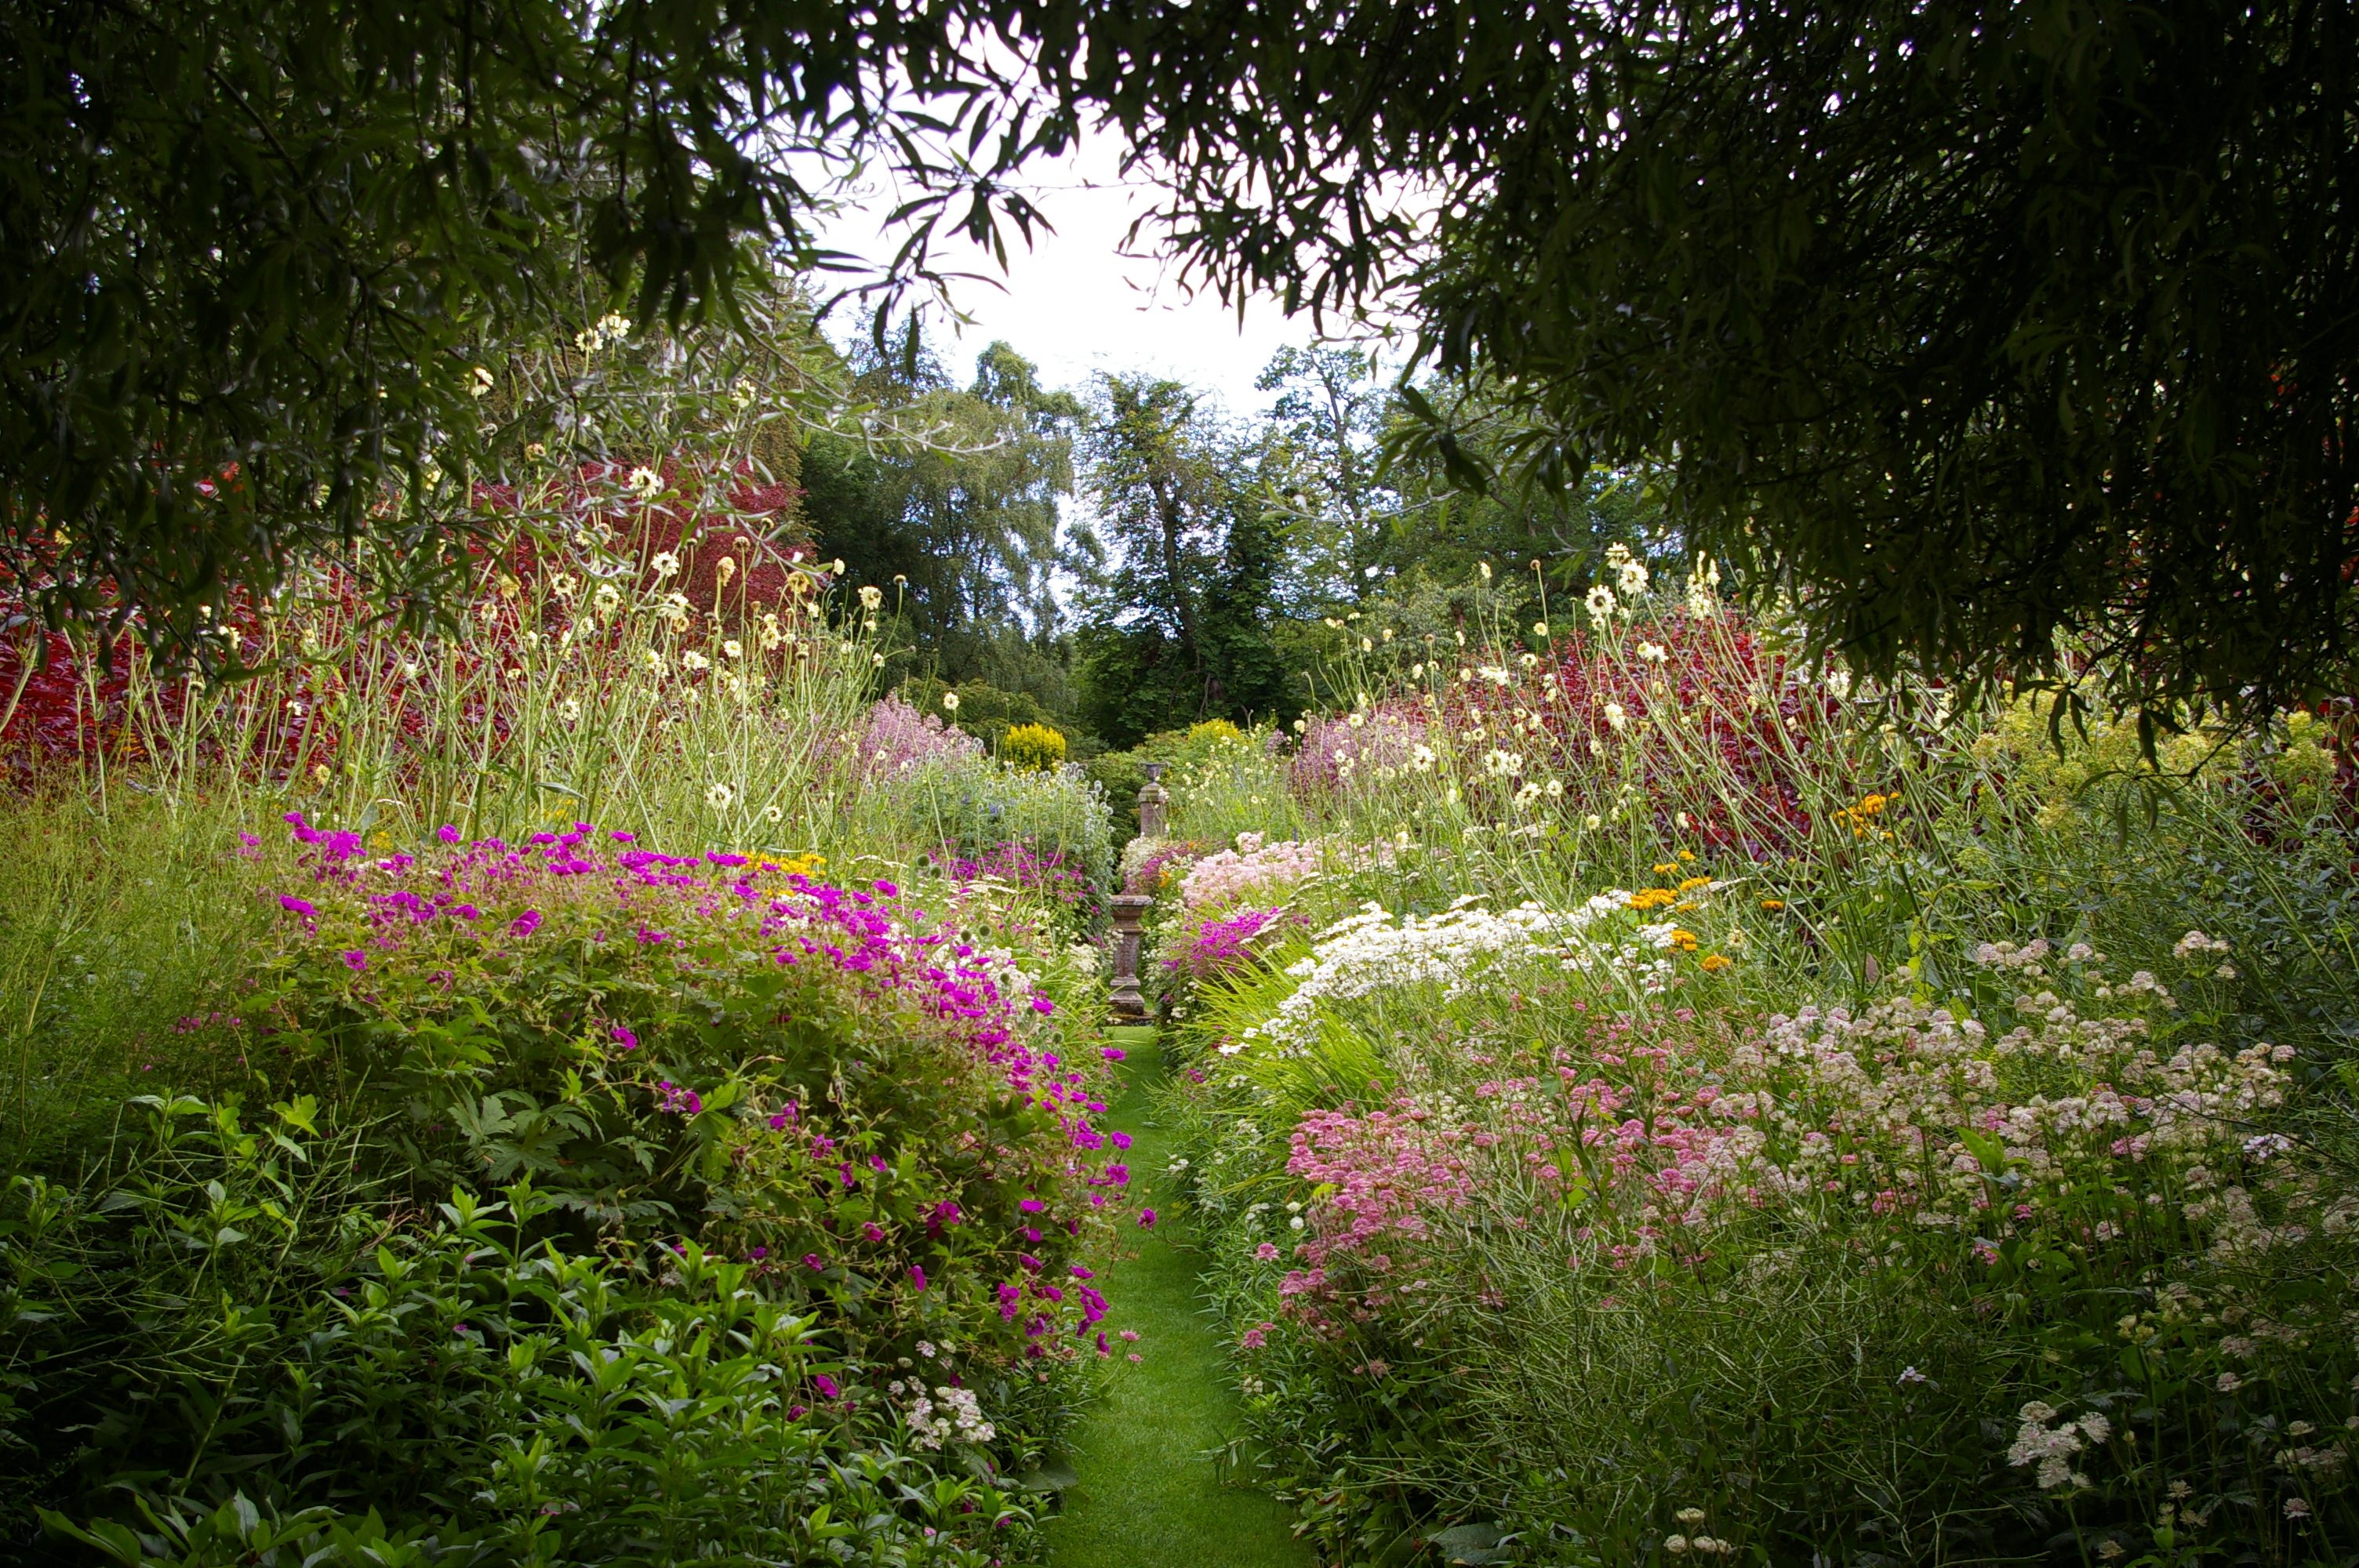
(1154, 803)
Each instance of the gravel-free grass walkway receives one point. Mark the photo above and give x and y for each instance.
(1146, 1495)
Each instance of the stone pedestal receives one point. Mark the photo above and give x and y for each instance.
(1127, 1003)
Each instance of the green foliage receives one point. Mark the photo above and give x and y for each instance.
(252, 1358)
(1187, 563)
(1989, 367)
(120, 923)
(289, 240)
(1321, 472)
(952, 507)
(1992, 366)
(1540, 1357)
(1122, 774)
(978, 810)
(984, 711)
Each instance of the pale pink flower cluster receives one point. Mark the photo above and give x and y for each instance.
(1357, 745)
(1903, 1116)
(2051, 1447)
(1252, 868)
(899, 739)
(957, 1418)
(1388, 1170)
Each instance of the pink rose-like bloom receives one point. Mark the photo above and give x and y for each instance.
(1254, 1339)
(1266, 1252)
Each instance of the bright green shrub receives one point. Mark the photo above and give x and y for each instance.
(253, 1356)
(1034, 748)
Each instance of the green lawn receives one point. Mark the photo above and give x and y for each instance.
(1148, 1497)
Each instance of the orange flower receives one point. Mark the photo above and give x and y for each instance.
(1714, 961)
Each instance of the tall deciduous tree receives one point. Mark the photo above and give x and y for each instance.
(1176, 616)
(1322, 437)
(953, 508)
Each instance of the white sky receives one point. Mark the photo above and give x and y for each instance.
(1075, 305)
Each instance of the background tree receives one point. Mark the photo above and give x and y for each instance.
(1322, 459)
(1182, 566)
(1973, 326)
(952, 505)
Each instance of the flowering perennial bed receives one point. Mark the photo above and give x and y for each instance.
(1838, 1194)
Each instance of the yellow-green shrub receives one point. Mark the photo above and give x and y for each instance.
(1033, 747)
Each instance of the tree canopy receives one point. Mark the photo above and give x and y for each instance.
(1969, 327)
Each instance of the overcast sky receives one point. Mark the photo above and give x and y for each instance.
(1074, 305)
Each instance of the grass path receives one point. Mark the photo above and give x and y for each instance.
(1146, 1496)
